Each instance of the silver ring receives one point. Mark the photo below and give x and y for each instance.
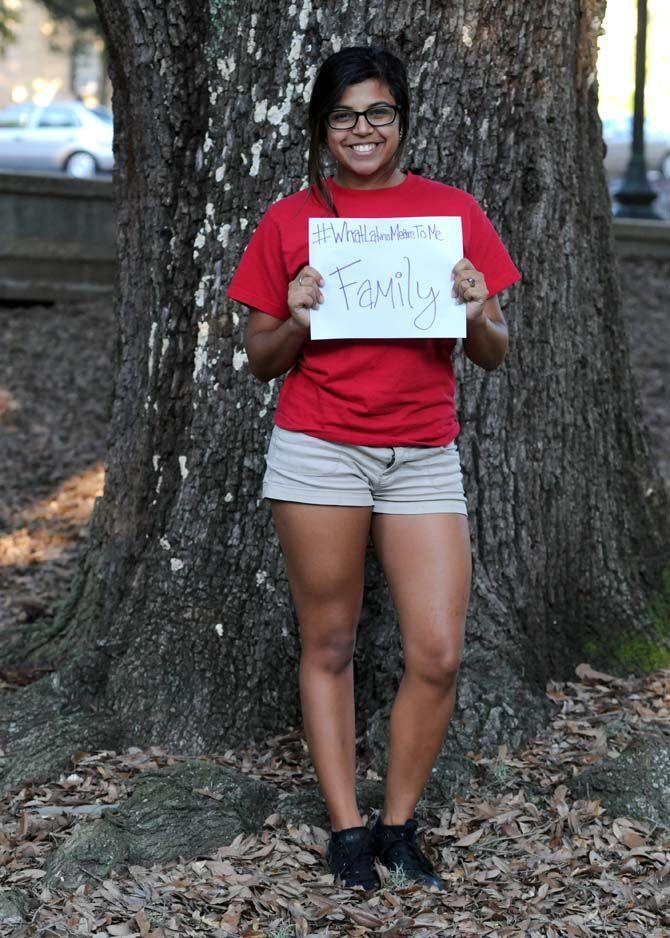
(472, 281)
(300, 280)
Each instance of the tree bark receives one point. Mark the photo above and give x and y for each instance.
(179, 624)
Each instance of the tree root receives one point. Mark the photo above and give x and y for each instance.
(182, 811)
(635, 784)
(40, 730)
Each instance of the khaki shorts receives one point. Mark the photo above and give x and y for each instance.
(399, 480)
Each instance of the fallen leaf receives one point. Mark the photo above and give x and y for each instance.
(469, 839)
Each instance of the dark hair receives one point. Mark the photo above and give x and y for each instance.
(351, 66)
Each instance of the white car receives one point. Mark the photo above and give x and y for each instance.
(618, 135)
(64, 135)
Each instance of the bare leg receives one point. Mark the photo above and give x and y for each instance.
(324, 551)
(426, 559)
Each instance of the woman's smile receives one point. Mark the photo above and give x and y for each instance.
(363, 147)
(364, 154)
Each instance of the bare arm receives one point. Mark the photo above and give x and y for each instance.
(273, 345)
(487, 337)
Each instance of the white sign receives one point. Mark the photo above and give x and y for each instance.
(386, 277)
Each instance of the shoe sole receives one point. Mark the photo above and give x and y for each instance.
(342, 885)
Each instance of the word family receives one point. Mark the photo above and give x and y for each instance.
(352, 232)
(399, 291)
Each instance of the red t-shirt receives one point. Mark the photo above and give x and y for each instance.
(370, 392)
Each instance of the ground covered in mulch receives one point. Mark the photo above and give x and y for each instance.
(519, 855)
(55, 392)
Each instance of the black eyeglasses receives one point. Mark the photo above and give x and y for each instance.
(378, 115)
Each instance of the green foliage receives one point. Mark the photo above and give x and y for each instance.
(8, 22)
(79, 13)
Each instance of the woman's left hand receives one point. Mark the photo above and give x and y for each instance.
(470, 288)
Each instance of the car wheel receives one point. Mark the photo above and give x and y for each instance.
(81, 165)
(665, 166)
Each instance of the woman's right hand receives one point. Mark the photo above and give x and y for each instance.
(304, 294)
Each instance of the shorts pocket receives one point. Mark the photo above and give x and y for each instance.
(444, 473)
(297, 455)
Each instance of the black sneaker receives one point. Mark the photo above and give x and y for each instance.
(350, 858)
(395, 846)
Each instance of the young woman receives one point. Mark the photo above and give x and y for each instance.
(364, 442)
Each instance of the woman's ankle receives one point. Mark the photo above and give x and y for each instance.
(343, 822)
(393, 816)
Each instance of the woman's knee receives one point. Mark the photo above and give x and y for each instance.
(437, 665)
(332, 651)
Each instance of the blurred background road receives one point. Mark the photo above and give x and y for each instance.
(55, 96)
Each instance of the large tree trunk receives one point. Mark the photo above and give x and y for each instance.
(179, 628)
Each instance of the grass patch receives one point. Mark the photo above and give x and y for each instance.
(397, 878)
(283, 930)
(652, 654)
(645, 655)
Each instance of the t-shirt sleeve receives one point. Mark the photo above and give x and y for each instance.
(484, 249)
(261, 279)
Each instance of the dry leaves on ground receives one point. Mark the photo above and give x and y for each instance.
(518, 855)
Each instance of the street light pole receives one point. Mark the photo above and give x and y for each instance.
(635, 196)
